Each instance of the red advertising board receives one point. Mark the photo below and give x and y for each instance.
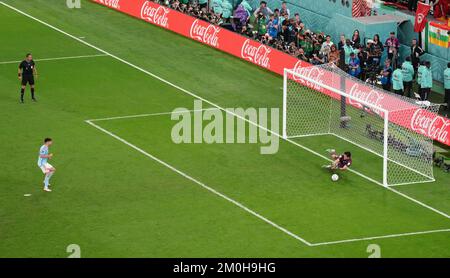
(413, 117)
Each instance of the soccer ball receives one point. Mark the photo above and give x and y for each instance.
(334, 177)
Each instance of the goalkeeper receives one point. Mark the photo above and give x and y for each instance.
(339, 162)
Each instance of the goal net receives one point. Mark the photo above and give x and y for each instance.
(348, 114)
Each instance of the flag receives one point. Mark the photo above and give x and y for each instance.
(438, 36)
(421, 16)
(441, 9)
(424, 38)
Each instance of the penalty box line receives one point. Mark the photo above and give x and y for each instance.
(240, 205)
(58, 58)
(210, 103)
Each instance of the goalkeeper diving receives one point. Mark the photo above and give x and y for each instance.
(339, 162)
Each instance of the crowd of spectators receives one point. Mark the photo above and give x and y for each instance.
(359, 57)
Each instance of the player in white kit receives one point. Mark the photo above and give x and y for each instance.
(46, 167)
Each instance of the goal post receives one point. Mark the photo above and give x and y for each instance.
(323, 101)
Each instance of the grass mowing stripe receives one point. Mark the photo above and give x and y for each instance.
(211, 103)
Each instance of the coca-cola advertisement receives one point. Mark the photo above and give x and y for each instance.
(111, 3)
(155, 15)
(256, 53)
(420, 120)
(205, 32)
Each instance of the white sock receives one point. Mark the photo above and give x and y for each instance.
(46, 179)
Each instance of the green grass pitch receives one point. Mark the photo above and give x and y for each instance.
(229, 201)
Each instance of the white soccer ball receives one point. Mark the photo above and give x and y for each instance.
(335, 177)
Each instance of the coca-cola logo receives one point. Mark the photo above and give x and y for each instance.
(367, 95)
(430, 124)
(258, 54)
(315, 76)
(111, 3)
(156, 16)
(206, 34)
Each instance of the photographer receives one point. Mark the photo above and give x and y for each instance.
(261, 24)
(263, 9)
(272, 28)
(302, 56)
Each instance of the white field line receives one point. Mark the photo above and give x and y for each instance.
(201, 184)
(212, 104)
(148, 115)
(232, 200)
(58, 58)
(379, 237)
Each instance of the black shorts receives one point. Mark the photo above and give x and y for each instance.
(27, 79)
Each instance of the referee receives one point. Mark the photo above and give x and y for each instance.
(27, 71)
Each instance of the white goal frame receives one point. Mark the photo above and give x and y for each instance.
(383, 111)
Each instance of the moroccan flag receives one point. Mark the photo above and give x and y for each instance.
(421, 16)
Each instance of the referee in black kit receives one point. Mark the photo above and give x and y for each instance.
(27, 71)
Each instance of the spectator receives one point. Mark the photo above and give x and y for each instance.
(363, 56)
(397, 82)
(241, 16)
(307, 44)
(326, 45)
(298, 21)
(284, 9)
(356, 40)
(416, 52)
(287, 32)
(426, 82)
(261, 24)
(333, 56)
(377, 49)
(302, 56)
(386, 75)
(447, 86)
(263, 9)
(348, 49)
(278, 17)
(272, 27)
(318, 59)
(408, 75)
(354, 65)
(392, 44)
(285, 18)
(340, 47)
